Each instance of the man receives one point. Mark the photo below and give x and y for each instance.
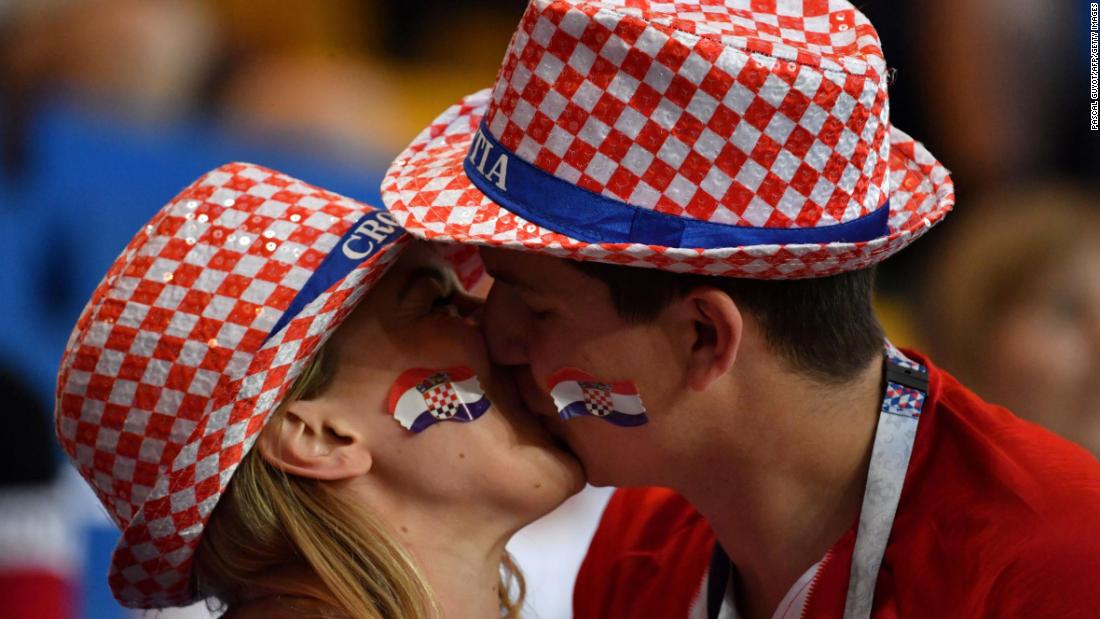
(682, 205)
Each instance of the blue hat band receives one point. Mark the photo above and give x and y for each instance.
(368, 237)
(556, 204)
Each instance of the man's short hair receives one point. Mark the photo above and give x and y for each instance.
(824, 327)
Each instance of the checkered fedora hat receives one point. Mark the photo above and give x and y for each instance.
(191, 341)
(747, 138)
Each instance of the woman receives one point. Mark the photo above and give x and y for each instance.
(384, 483)
(1014, 305)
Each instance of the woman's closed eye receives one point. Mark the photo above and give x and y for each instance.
(540, 313)
(538, 308)
(446, 303)
(426, 288)
(433, 290)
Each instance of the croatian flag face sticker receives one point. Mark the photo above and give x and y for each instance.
(420, 397)
(577, 393)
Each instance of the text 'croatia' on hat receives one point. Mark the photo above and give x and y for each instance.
(746, 138)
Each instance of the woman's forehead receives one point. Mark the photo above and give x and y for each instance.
(417, 255)
(384, 301)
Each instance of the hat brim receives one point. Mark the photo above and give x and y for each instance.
(151, 565)
(427, 190)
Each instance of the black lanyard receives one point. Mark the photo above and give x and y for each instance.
(718, 578)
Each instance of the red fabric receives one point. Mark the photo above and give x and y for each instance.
(997, 518)
(35, 594)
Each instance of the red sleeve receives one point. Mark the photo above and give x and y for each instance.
(1007, 519)
(1060, 580)
(36, 594)
(647, 559)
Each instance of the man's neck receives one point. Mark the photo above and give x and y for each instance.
(781, 485)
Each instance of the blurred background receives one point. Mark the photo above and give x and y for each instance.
(109, 107)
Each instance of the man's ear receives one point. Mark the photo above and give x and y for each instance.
(311, 439)
(718, 327)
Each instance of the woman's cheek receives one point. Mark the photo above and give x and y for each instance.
(450, 340)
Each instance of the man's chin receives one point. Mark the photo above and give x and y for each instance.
(537, 406)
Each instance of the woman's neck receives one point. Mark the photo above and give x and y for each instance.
(458, 551)
(464, 576)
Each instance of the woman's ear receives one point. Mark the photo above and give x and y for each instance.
(717, 326)
(311, 439)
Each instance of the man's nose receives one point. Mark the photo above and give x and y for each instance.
(505, 322)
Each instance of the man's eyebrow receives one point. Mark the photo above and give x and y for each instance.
(431, 272)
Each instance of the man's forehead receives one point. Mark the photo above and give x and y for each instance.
(526, 270)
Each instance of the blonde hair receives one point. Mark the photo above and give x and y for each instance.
(268, 521)
(992, 253)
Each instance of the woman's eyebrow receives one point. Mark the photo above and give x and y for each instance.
(435, 272)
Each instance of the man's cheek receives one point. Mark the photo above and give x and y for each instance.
(550, 349)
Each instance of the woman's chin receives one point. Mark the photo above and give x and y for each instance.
(556, 476)
(572, 468)
(556, 491)
(563, 466)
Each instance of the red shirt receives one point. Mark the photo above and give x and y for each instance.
(997, 517)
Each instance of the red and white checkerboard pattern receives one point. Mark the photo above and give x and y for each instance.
(597, 398)
(762, 113)
(167, 378)
(719, 118)
(443, 401)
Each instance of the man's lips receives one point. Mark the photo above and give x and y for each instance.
(534, 399)
(539, 405)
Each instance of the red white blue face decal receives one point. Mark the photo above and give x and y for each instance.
(577, 393)
(421, 397)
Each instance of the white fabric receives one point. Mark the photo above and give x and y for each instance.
(551, 549)
(36, 531)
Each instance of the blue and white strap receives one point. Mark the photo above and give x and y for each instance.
(906, 390)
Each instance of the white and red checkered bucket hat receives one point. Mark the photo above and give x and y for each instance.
(746, 138)
(191, 341)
